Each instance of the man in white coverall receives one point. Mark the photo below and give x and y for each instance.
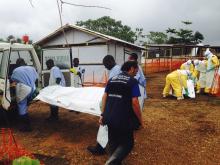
(56, 78)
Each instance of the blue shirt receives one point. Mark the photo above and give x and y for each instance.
(135, 91)
(26, 75)
(114, 71)
(118, 113)
(140, 77)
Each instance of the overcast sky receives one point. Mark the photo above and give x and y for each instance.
(18, 17)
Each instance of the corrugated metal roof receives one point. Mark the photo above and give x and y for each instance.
(180, 45)
(103, 36)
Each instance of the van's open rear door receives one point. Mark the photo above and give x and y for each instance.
(4, 80)
(62, 59)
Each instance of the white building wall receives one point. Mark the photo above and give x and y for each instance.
(82, 37)
(90, 59)
(59, 40)
(112, 49)
(119, 54)
(90, 54)
(73, 37)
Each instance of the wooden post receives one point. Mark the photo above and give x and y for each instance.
(171, 55)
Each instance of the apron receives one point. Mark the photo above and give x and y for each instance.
(22, 91)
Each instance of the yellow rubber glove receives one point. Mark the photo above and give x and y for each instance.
(73, 70)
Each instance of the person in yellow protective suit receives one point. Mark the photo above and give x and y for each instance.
(199, 74)
(177, 80)
(187, 66)
(212, 65)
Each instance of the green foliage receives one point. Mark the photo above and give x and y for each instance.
(157, 37)
(38, 50)
(19, 40)
(109, 26)
(184, 36)
(170, 30)
(11, 37)
(198, 37)
(24, 160)
(187, 22)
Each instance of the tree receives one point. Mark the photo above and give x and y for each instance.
(109, 26)
(157, 37)
(184, 36)
(19, 40)
(10, 37)
(198, 37)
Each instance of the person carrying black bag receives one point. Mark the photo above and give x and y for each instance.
(119, 106)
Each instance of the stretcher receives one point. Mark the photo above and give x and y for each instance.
(85, 100)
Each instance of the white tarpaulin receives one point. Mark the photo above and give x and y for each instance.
(191, 89)
(86, 99)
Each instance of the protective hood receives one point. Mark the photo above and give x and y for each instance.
(207, 52)
(184, 72)
(196, 62)
(189, 62)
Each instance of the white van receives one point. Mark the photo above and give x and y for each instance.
(9, 53)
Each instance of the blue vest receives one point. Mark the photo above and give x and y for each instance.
(118, 112)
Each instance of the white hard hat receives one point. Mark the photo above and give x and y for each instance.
(189, 62)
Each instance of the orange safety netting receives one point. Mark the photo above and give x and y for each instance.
(162, 64)
(10, 149)
(97, 84)
(215, 90)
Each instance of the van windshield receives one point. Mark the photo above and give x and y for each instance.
(25, 54)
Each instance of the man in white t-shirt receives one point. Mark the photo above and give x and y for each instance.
(56, 78)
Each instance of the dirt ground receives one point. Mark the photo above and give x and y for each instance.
(175, 132)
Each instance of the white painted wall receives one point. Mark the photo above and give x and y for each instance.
(73, 37)
(59, 40)
(112, 49)
(119, 54)
(90, 54)
(82, 37)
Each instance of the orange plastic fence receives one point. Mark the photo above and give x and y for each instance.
(97, 84)
(162, 64)
(10, 149)
(216, 84)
